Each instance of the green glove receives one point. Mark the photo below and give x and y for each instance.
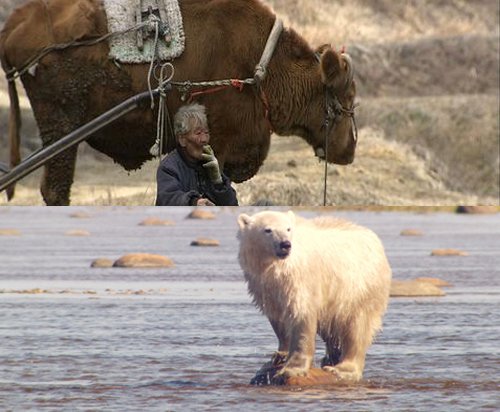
(211, 164)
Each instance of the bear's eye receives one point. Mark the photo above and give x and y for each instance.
(267, 230)
(289, 229)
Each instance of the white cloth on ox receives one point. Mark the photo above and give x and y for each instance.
(121, 15)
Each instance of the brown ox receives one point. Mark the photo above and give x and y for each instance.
(224, 39)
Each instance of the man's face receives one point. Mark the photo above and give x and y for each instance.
(194, 140)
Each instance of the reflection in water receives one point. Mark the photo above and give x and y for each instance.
(188, 337)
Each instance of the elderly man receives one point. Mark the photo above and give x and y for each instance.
(190, 174)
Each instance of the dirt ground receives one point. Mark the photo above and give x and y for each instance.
(428, 77)
(384, 173)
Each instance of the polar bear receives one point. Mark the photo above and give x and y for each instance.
(321, 275)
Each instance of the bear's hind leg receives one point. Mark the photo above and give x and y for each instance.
(354, 342)
(332, 357)
(333, 349)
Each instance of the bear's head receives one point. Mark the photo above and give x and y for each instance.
(267, 233)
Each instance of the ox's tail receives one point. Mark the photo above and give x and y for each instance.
(14, 127)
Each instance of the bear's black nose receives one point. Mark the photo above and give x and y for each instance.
(284, 249)
(285, 245)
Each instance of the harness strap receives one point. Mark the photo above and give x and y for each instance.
(259, 75)
(327, 126)
(194, 94)
(272, 40)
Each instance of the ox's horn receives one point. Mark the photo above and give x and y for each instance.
(350, 69)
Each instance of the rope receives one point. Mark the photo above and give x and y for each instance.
(259, 74)
(154, 57)
(14, 73)
(325, 178)
(185, 87)
(157, 149)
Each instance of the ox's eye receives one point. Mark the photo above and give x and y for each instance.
(267, 230)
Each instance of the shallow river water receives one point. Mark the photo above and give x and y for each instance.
(189, 338)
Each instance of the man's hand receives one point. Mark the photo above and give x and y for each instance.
(204, 202)
(211, 164)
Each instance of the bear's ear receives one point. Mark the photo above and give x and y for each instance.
(244, 220)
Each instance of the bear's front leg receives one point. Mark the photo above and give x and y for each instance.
(265, 374)
(282, 334)
(301, 350)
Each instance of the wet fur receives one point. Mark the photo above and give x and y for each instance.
(335, 283)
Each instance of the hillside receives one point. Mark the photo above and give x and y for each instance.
(428, 80)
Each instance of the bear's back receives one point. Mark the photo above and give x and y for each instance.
(340, 246)
(331, 229)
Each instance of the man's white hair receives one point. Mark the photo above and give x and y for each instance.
(188, 117)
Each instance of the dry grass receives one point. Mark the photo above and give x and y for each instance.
(352, 21)
(385, 173)
(457, 136)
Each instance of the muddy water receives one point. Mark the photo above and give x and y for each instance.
(188, 337)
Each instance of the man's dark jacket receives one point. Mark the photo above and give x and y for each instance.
(181, 183)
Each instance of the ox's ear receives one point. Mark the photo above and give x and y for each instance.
(322, 48)
(332, 73)
(244, 221)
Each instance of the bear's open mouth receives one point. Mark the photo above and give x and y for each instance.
(282, 254)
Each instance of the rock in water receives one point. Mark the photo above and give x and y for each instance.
(200, 214)
(414, 288)
(143, 260)
(101, 263)
(203, 241)
(475, 210)
(448, 252)
(154, 221)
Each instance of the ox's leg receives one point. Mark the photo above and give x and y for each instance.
(59, 171)
(58, 178)
(58, 109)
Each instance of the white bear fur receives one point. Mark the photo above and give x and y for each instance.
(335, 281)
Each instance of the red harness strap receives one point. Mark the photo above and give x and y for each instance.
(237, 84)
(193, 95)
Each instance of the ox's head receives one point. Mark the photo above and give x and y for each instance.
(335, 133)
